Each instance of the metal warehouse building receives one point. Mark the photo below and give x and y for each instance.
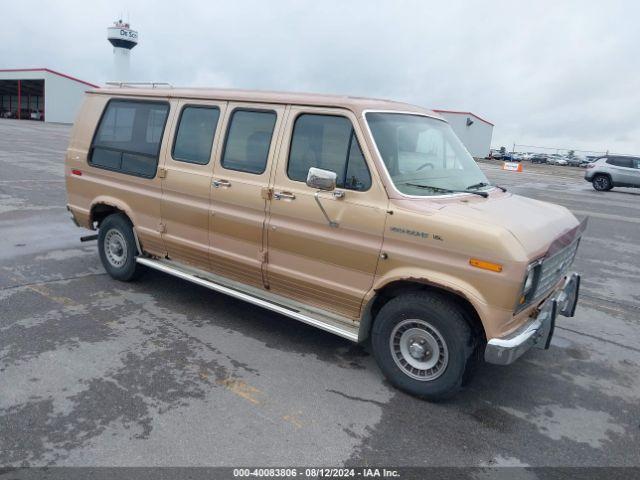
(474, 131)
(40, 94)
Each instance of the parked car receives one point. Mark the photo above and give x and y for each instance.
(557, 160)
(585, 162)
(327, 210)
(574, 161)
(614, 171)
(538, 158)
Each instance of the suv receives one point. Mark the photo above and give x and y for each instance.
(365, 218)
(608, 172)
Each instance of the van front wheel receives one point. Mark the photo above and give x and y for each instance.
(422, 342)
(117, 247)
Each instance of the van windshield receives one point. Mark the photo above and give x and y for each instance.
(423, 156)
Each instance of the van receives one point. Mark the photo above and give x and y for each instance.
(365, 218)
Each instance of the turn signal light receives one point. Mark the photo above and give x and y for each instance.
(494, 267)
(76, 172)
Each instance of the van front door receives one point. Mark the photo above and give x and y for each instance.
(330, 267)
(239, 191)
(187, 181)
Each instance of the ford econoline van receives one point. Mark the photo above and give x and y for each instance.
(365, 218)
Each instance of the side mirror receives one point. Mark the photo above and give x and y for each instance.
(321, 179)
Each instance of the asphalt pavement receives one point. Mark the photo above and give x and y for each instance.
(162, 372)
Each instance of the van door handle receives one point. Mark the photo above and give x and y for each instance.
(284, 196)
(221, 183)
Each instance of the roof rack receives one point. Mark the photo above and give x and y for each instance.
(139, 84)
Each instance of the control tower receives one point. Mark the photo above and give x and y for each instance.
(123, 39)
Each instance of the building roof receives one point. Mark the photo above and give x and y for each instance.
(354, 103)
(465, 113)
(48, 70)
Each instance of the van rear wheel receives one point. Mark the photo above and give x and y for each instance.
(422, 343)
(117, 248)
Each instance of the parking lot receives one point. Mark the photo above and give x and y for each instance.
(163, 372)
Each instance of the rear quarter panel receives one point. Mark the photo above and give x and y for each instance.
(138, 197)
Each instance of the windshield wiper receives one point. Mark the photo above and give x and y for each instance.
(446, 190)
(478, 185)
(484, 184)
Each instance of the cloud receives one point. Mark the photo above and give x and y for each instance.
(546, 73)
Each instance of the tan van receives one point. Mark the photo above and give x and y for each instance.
(365, 218)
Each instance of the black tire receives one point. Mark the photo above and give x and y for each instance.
(397, 326)
(602, 183)
(117, 248)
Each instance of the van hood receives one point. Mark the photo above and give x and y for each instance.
(535, 224)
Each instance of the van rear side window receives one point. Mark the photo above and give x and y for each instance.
(129, 136)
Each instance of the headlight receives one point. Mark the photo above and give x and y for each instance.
(528, 285)
(528, 281)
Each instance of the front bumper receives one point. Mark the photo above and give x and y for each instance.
(537, 332)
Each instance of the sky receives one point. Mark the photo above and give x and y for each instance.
(562, 74)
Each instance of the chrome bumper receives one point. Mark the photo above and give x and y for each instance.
(537, 332)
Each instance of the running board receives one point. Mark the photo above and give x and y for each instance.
(328, 326)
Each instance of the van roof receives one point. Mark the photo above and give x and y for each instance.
(356, 104)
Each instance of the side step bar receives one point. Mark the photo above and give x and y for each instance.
(282, 310)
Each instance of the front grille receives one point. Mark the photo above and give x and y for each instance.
(554, 268)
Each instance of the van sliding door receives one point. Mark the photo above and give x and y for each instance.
(186, 185)
(239, 193)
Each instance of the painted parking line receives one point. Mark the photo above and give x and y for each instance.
(606, 216)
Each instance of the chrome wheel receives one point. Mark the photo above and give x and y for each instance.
(419, 350)
(115, 248)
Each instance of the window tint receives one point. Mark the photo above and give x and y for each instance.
(248, 140)
(621, 162)
(194, 136)
(327, 142)
(128, 137)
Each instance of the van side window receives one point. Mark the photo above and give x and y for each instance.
(328, 142)
(248, 140)
(194, 136)
(129, 136)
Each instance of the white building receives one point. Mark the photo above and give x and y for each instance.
(474, 131)
(41, 94)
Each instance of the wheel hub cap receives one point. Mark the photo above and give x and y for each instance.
(419, 349)
(115, 248)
